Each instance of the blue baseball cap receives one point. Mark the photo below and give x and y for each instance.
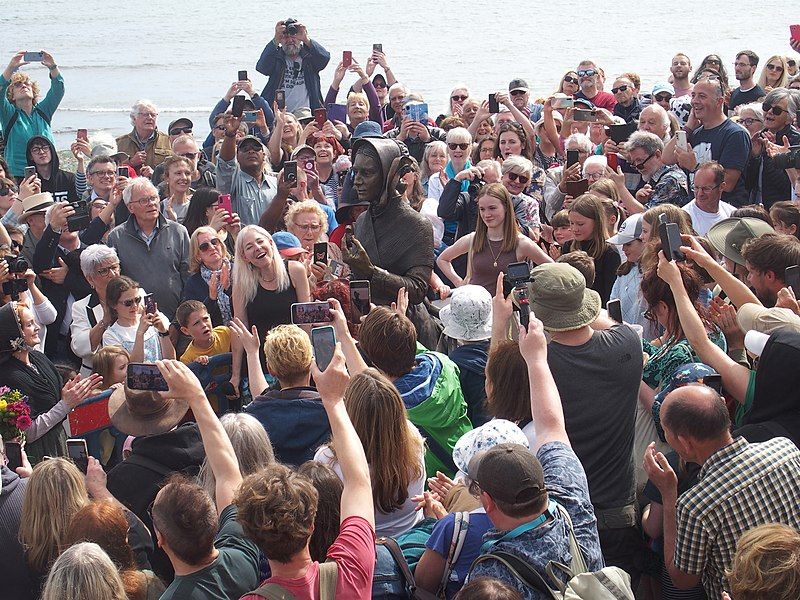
(367, 129)
(288, 243)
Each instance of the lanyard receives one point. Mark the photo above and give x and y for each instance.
(518, 531)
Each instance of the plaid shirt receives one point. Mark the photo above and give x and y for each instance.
(741, 486)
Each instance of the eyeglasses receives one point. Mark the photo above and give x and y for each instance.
(518, 92)
(622, 88)
(5, 191)
(378, 85)
(180, 130)
(146, 200)
(706, 189)
(152, 115)
(594, 176)
(663, 97)
(454, 146)
(742, 64)
(774, 67)
(16, 245)
(40, 149)
(775, 110)
(131, 301)
(791, 63)
(640, 166)
(650, 315)
(458, 98)
(572, 80)
(190, 155)
(713, 61)
(205, 246)
(749, 121)
(309, 227)
(587, 73)
(108, 173)
(516, 176)
(104, 271)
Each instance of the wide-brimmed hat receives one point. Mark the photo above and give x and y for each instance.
(754, 317)
(35, 205)
(303, 114)
(729, 235)
(488, 435)
(559, 297)
(136, 412)
(468, 317)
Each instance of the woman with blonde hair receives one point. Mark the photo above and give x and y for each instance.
(56, 492)
(394, 448)
(178, 172)
(84, 572)
(285, 138)
(434, 161)
(264, 287)
(496, 242)
(459, 145)
(210, 266)
(309, 223)
(773, 75)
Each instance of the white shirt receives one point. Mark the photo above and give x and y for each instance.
(294, 84)
(702, 221)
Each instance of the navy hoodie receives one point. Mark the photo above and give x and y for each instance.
(61, 183)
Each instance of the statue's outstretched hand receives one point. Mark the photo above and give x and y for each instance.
(355, 256)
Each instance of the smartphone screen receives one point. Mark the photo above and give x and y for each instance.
(280, 99)
(290, 170)
(791, 278)
(377, 47)
(123, 171)
(83, 134)
(80, 219)
(518, 272)
(614, 308)
(307, 313)
(347, 58)
(14, 455)
(572, 157)
(238, 106)
(582, 114)
(146, 376)
(359, 300)
(323, 339)
(714, 382)
(494, 107)
(321, 252)
(149, 304)
(76, 449)
(242, 75)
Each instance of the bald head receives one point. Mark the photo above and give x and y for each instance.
(654, 119)
(697, 412)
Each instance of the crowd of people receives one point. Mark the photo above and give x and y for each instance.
(352, 350)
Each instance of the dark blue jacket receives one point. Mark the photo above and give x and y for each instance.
(471, 360)
(295, 420)
(273, 64)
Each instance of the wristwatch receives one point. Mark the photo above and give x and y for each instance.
(165, 334)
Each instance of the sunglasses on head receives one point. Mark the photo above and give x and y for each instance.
(622, 88)
(572, 80)
(205, 246)
(458, 98)
(517, 177)
(587, 73)
(180, 130)
(131, 301)
(775, 110)
(454, 146)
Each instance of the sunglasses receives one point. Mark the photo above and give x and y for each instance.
(587, 73)
(640, 166)
(713, 61)
(454, 146)
(791, 63)
(205, 246)
(131, 302)
(775, 67)
(378, 85)
(663, 97)
(516, 177)
(5, 191)
(518, 92)
(572, 80)
(180, 130)
(775, 110)
(622, 88)
(190, 155)
(458, 98)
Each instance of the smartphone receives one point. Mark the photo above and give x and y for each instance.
(323, 340)
(249, 116)
(83, 134)
(80, 219)
(123, 171)
(77, 452)
(30, 171)
(149, 304)
(224, 202)
(14, 455)
(614, 308)
(577, 188)
(290, 170)
(321, 252)
(714, 382)
(791, 277)
(582, 114)
(145, 376)
(572, 157)
(307, 313)
(337, 269)
(347, 58)
(682, 142)
(518, 272)
(360, 300)
(494, 106)
(280, 99)
(621, 133)
(238, 106)
(33, 56)
(242, 75)
(563, 101)
(613, 160)
(671, 241)
(793, 29)
(377, 47)
(320, 116)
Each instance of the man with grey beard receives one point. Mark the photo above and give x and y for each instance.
(292, 61)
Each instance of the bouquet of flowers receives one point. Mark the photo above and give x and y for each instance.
(15, 414)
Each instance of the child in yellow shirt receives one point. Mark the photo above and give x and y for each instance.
(195, 322)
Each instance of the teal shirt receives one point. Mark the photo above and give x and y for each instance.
(27, 126)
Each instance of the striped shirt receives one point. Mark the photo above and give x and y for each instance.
(741, 486)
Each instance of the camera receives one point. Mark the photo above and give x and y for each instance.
(475, 186)
(291, 27)
(16, 264)
(14, 287)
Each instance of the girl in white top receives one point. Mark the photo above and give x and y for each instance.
(144, 336)
(395, 451)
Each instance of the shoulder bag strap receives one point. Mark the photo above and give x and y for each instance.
(438, 450)
(328, 574)
(460, 527)
(520, 569)
(578, 563)
(272, 591)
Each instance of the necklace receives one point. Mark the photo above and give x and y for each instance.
(491, 250)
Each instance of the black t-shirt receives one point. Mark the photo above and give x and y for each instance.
(739, 97)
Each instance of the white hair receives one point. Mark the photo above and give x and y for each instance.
(94, 256)
(459, 135)
(580, 140)
(516, 164)
(84, 571)
(139, 184)
(490, 164)
(661, 112)
(141, 105)
(594, 160)
(398, 86)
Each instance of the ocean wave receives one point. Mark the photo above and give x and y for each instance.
(167, 109)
